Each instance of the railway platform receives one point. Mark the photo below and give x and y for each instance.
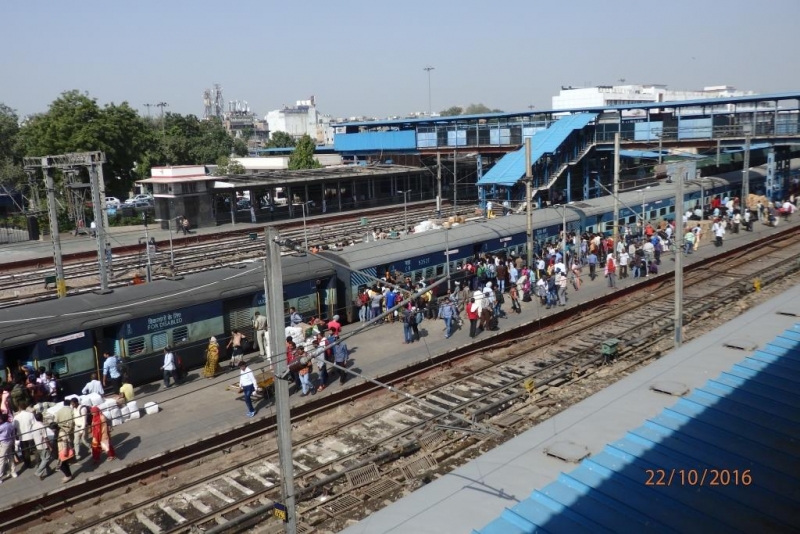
(739, 419)
(200, 407)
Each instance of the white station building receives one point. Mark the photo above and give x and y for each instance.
(613, 95)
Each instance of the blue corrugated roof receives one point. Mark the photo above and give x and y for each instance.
(745, 420)
(511, 167)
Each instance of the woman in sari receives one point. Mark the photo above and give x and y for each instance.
(212, 359)
(101, 436)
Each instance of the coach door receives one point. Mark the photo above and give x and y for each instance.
(105, 339)
(237, 314)
(14, 358)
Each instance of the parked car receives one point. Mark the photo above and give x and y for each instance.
(140, 197)
(113, 202)
(143, 203)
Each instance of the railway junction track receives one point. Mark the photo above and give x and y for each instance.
(21, 284)
(390, 445)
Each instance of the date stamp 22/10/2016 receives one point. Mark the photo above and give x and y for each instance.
(698, 477)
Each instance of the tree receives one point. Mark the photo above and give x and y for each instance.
(280, 139)
(226, 167)
(9, 128)
(476, 109)
(303, 155)
(11, 173)
(75, 123)
(451, 111)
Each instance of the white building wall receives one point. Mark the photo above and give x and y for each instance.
(606, 96)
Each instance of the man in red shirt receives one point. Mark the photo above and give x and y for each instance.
(335, 326)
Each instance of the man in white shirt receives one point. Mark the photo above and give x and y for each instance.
(718, 228)
(247, 385)
(169, 367)
(623, 264)
(23, 422)
(94, 386)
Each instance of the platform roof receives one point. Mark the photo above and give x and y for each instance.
(726, 452)
(793, 95)
(326, 174)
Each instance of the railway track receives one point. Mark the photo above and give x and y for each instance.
(504, 383)
(194, 255)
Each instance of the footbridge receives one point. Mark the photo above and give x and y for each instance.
(573, 149)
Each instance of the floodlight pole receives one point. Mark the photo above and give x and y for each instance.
(274, 308)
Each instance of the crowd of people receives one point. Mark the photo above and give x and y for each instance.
(41, 423)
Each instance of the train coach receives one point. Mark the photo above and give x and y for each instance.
(425, 256)
(69, 335)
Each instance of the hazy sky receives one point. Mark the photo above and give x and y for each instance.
(367, 57)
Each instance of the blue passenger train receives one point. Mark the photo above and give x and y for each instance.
(69, 335)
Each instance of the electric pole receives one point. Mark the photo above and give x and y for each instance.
(100, 227)
(162, 105)
(275, 321)
(528, 200)
(148, 106)
(50, 188)
(428, 69)
(679, 231)
(455, 182)
(746, 172)
(616, 193)
(439, 182)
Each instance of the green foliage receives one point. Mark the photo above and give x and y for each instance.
(280, 139)
(303, 155)
(226, 167)
(476, 109)
(451, 111)
(9, 128)
(75, 123)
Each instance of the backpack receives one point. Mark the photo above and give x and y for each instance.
(499, 297)
(411, 319)
(482, 271)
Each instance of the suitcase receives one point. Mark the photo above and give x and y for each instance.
(493, 323)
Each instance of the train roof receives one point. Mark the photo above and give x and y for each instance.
(40, 320)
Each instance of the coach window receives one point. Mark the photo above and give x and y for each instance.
(180, 335)
(632, 219)
(59, 366)
(135, 346)
(662, 211)
(439, 270)
(429, 272)
(158, 341)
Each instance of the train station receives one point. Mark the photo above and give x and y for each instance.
(377, 352)
(345, 229)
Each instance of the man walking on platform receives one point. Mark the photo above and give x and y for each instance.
(260, 327)
(247, 385)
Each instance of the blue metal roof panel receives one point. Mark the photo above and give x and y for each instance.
(511, 167)
(746, 419)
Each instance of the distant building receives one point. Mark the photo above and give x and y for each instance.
(615, 95)
(240, 122)
(302, 119)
